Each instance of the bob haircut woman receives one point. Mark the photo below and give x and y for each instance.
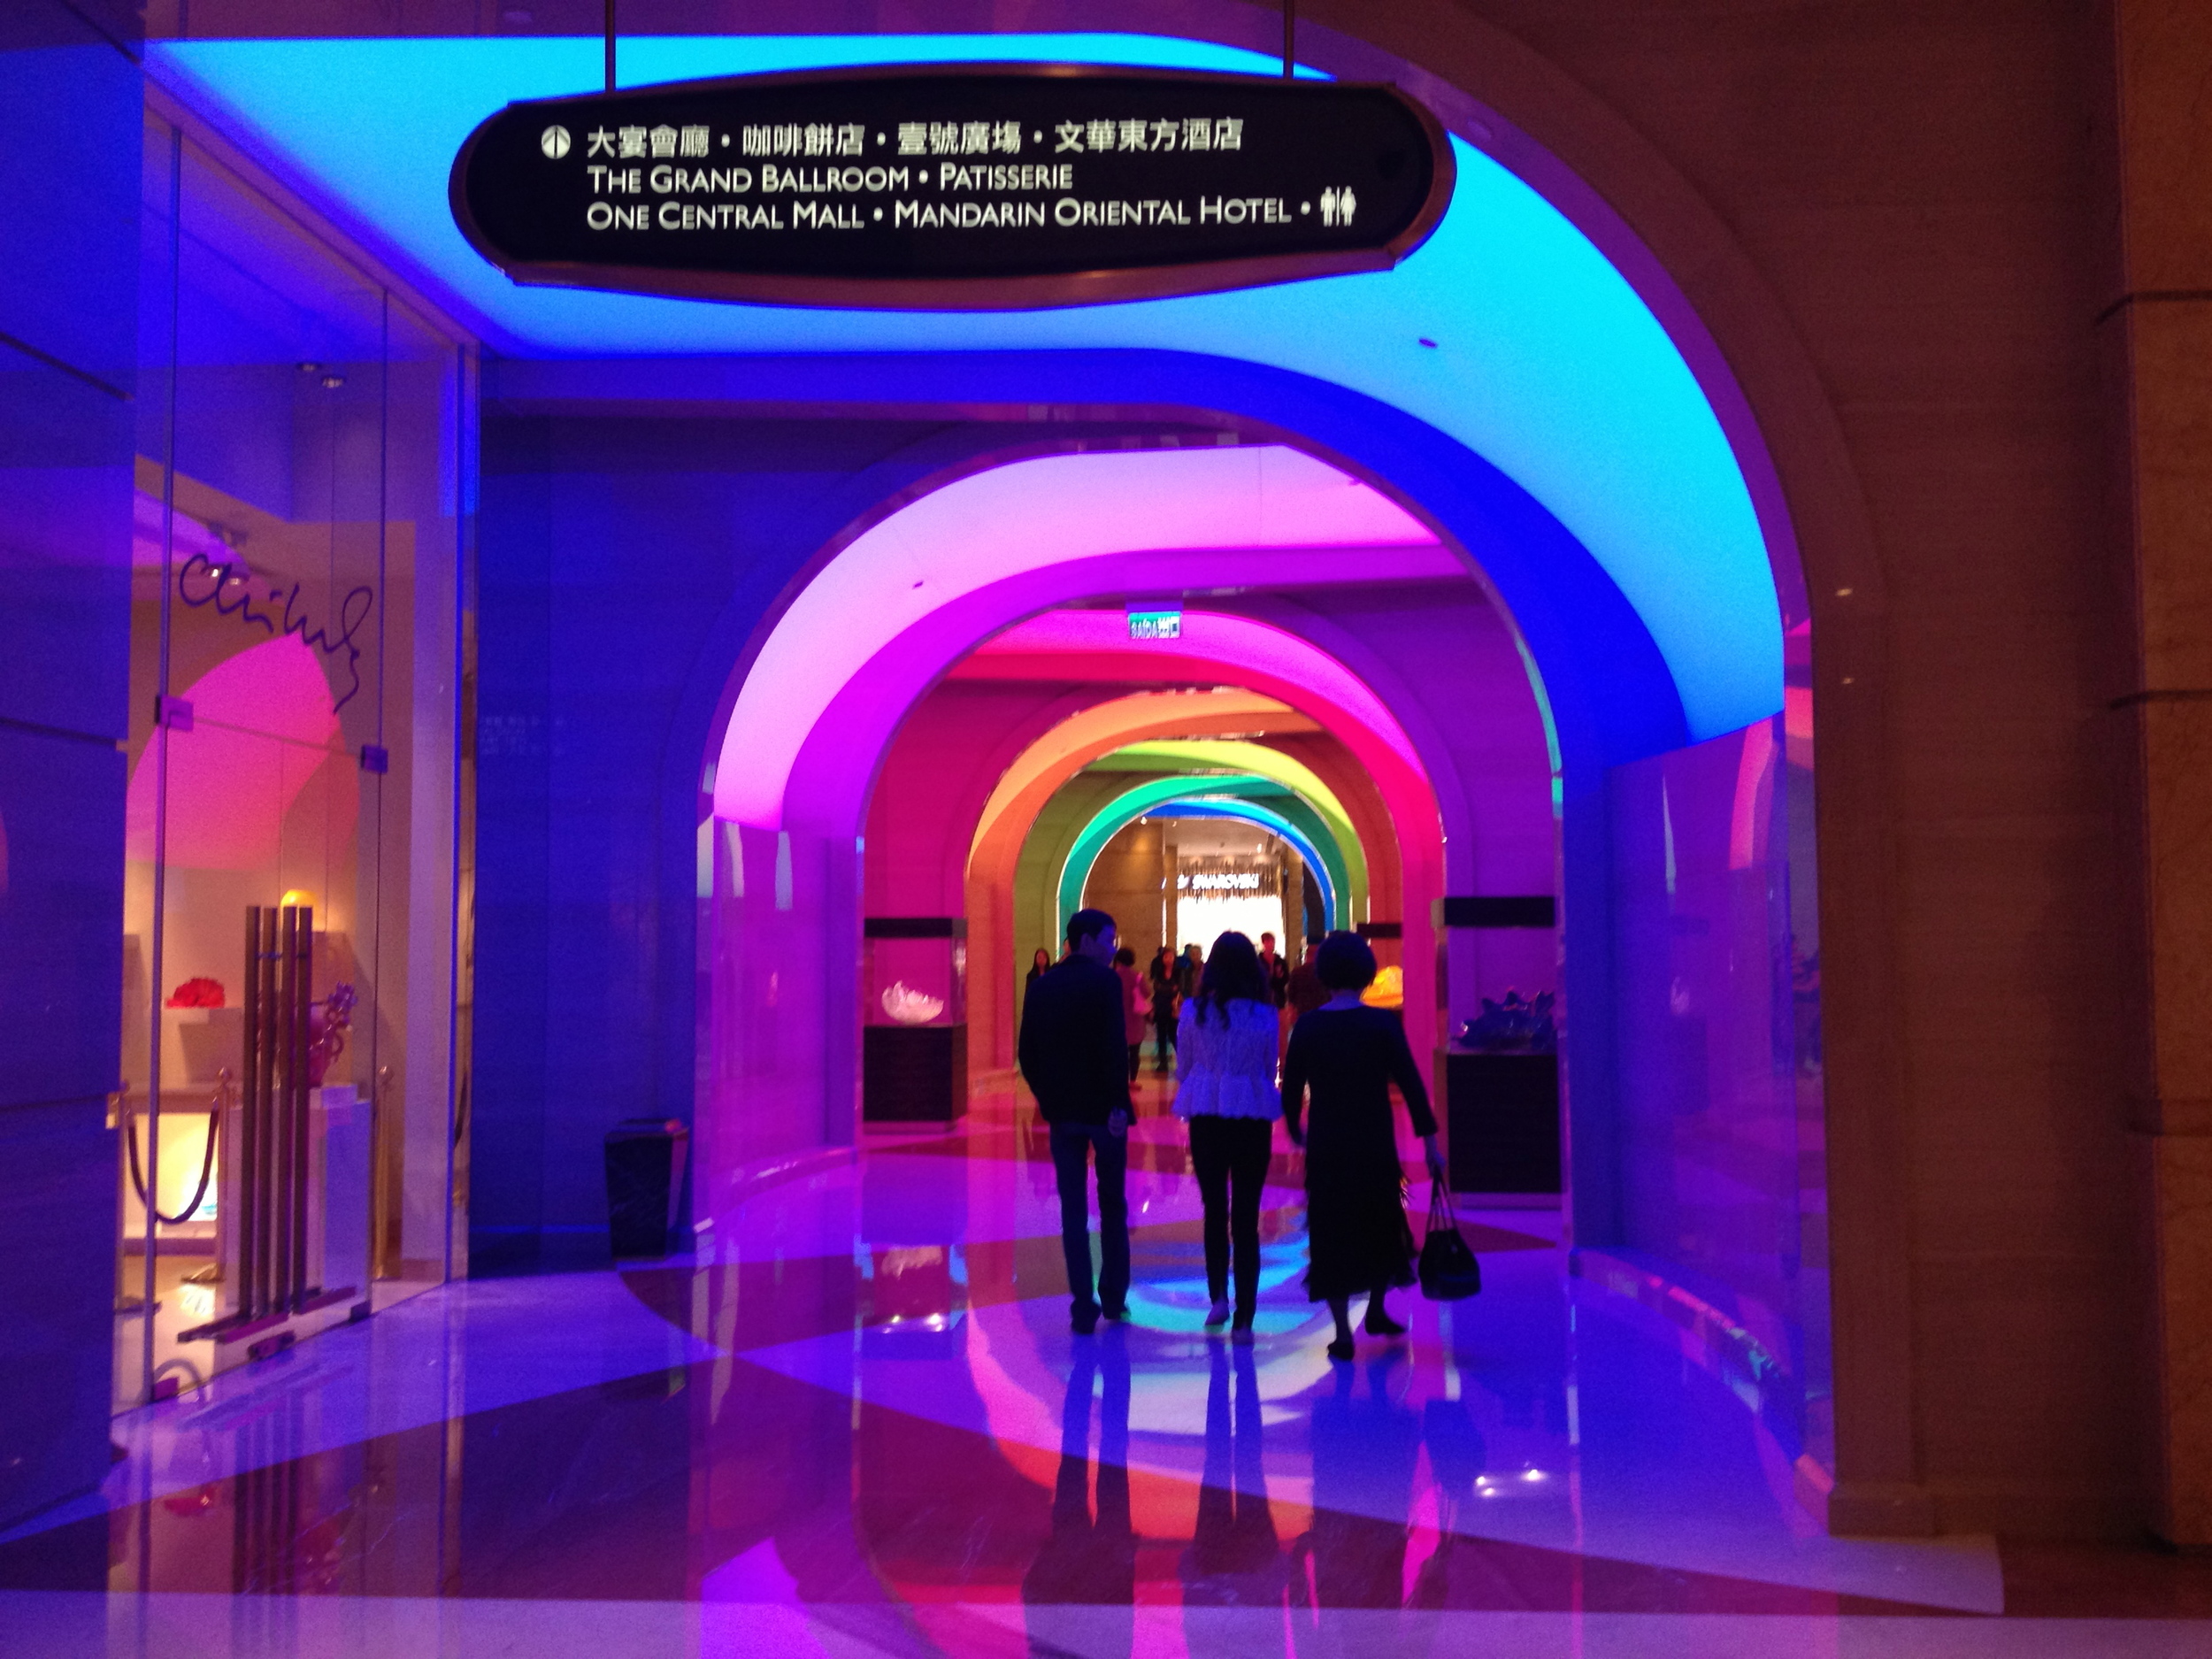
(1346, 1056)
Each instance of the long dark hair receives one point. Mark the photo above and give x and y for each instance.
(1233, 974)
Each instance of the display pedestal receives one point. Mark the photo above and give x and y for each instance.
(1502, 1111)
(913, 1074)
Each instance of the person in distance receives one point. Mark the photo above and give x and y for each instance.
(1225, 1059)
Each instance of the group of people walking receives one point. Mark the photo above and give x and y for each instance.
(1156, 997)
(1078, 1051)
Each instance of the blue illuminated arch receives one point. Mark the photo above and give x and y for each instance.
(1508, 335)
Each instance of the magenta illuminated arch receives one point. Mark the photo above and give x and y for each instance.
(1217, 647)
(882, 619)
(829, 781)
(993, 559)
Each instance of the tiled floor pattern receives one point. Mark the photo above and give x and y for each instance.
(856, 1424)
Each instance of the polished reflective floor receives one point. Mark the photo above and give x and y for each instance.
(856, 1423)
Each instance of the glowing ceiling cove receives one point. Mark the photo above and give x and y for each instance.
(1230, 642)
(1508, 330)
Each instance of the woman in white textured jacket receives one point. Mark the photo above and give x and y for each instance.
(1225, 1064)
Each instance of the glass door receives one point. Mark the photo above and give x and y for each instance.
(289, 953)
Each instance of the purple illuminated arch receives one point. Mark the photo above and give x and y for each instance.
(876, 625)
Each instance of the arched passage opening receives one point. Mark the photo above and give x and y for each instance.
(960, 720)
(1246, 799)
(1569, 727)
(1403, 689)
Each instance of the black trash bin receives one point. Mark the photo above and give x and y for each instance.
(645, 1181)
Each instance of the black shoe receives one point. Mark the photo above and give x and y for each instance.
(1378, 1322)
(1341, 1350)
(1083, 1321)
(1241, 1327)
(1119, 1316)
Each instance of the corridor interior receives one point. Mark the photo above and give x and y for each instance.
(808, 667)
(852, 1419)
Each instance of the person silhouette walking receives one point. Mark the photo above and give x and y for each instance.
(1075, 1060)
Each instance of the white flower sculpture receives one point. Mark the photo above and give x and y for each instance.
(910, 1006)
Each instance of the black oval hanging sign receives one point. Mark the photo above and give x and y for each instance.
(953, 189)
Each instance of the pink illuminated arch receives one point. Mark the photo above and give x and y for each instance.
(991, 574)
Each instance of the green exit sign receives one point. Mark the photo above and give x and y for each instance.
(1155, 625)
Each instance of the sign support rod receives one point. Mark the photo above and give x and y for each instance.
(611, 47)
(1290, 40)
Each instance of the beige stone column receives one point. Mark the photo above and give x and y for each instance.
(2157, 331)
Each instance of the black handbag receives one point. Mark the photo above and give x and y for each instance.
(1449, 1271)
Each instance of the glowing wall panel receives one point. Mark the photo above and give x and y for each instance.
(71, 104)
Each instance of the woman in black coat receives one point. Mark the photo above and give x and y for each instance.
(1348, 1054)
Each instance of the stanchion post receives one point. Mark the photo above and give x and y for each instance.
(302, 984)
(249, 1128)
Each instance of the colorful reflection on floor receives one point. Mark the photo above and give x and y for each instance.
(856, 1423)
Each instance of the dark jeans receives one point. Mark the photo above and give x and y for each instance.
(1073, 1145)
(1230, 1156)
(1135, 1048)
(1163, 1039)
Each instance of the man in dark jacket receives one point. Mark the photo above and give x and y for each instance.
(1190, 967)
(1304, 990)
(1077, 1064)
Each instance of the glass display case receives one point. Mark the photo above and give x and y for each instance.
(914, 1014)
(1496, 1074)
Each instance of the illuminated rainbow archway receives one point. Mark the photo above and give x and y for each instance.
(1258, 800)
(1390, 808)
(1330, 827)
(896, 607)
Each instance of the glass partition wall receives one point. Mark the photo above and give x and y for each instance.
(289, 992)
